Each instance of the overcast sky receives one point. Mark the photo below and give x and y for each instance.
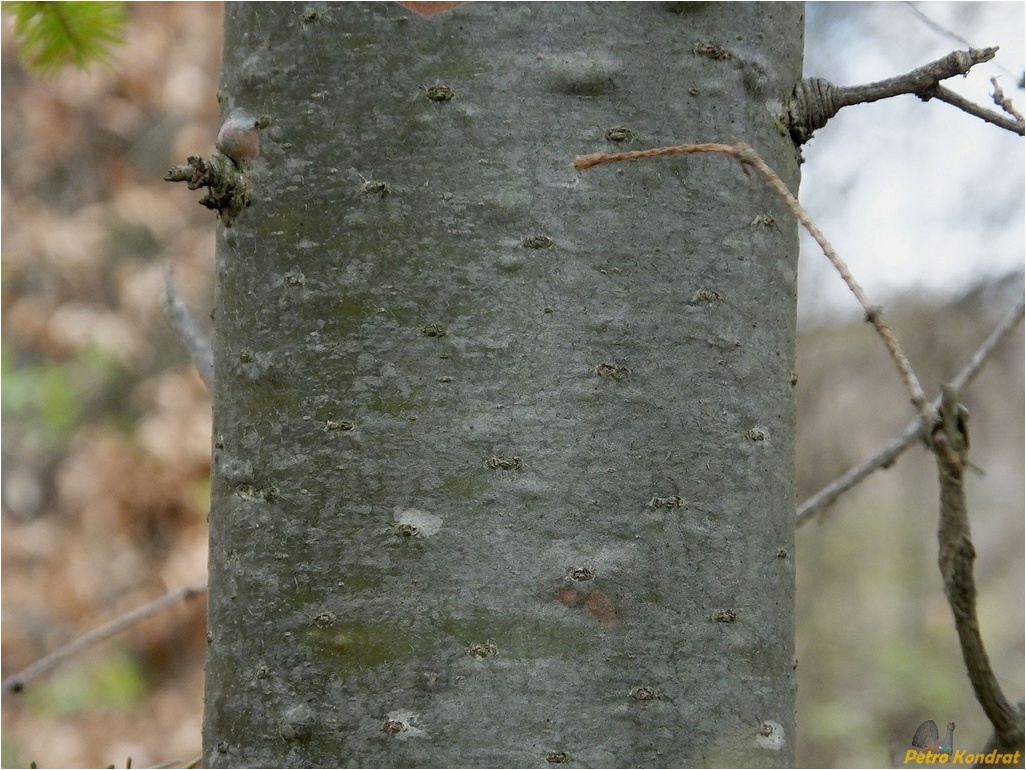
(913, 195)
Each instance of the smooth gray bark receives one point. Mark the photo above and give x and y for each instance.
(384, 590)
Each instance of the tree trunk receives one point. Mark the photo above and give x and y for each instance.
(503, 451)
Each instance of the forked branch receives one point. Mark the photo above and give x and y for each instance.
(816, 100)
(913, 432)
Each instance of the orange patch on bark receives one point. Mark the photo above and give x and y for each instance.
(568, 597)
(601, 608)
(429, 9)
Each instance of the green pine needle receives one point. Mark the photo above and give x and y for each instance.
(54, 35)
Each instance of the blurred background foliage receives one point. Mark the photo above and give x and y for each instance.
(106, 426)
(55, 35)
(107, 435)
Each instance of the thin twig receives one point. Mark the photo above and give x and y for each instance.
(582, 162)
(913, 432)
(937, 27)
(1001, 121)
(883, 458)
(164, 765)
(178, 313)
(749, 157)
(942, 30)
(1001, 331)
(873, 313)
(950, 445)
(1004, 102)
(17, 682)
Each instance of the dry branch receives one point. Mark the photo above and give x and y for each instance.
(17, 682)
(950, 445)
(816, 100)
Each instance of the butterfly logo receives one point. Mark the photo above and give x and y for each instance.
(928, 740)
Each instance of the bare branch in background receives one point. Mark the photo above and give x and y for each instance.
(942, 30)
(17, 682)
(913, 432)
(193, 339)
